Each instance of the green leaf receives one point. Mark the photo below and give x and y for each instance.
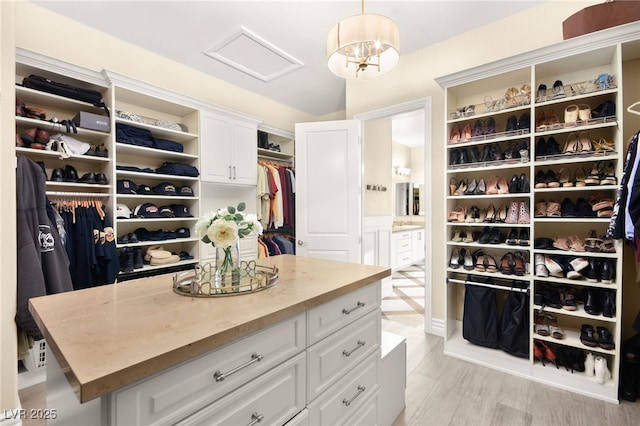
(231, 209)
(205, 239)
(241, 207)
(238, 217)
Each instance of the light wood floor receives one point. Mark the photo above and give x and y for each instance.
(442, 390)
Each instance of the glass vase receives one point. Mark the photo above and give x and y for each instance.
(227, 273)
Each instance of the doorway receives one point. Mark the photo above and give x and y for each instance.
(410, 284)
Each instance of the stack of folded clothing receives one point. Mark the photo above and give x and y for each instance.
(157, 255)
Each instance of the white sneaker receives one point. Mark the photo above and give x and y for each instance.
(601, 370)
(589, 364)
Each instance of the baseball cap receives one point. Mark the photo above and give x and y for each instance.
(144, 190)
(183, 233)
(123, 212)
(166, 211)
(165, 188)
(125, 186)
(146, 210)
(180, 210)
(184, 191)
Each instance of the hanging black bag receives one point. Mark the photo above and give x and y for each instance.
(480, 317)
(514, 324)
(68, 91)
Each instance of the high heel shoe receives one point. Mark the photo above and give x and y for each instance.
(462, 187)
(491, 214)
(554, 330)
(471, 188)
(503, 186)
(594, 177)
(552, 119)
(584, 142)
(609, 176)
(564, 178)
(454, 260)
(481, 188)
(501, 214)
(453, 185)
(571, 145)
(466, 133)
(492, 185)
(454, 136)
(538, 352)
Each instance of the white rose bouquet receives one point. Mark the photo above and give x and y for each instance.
(223, 229)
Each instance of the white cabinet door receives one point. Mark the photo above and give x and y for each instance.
(215, 149)
(417, 245)
(228, 150)
(245, 153)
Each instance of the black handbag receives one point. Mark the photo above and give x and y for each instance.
(514, 324)
(68, 91)
(480, 317)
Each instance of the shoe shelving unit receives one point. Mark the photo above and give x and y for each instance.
(572, 61)
(152, 108)
(62, 108)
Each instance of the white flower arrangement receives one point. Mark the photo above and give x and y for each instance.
(224, 227)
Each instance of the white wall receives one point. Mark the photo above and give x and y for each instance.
(414, 78)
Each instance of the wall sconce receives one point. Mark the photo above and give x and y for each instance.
(402, 171)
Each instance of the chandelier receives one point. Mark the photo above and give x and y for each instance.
(363, 46)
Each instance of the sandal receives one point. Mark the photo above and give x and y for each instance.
(593, 243)
(564, 177)
(568, 300)
(594, 176)
(562, 243)
(552, 119)
(539, 325)
(576, 243)
(571, 145)
(507, 264)
(579, 177)
(608, 175)
(584, 142)
(519, 268)
(490, 264)
(458, 214)
(481, 261)
(554, 330)
(553, 209)
(540, 209)
(608, 245)
(601, 205)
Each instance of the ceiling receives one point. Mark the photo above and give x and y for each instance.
(275, 49)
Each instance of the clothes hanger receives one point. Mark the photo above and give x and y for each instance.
(631, 110)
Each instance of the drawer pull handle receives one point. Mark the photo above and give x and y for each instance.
(256, 418)
(348, 402)
(348, 353)
(220, 376)
(348, 311)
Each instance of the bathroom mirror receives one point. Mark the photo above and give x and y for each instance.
(409, 199)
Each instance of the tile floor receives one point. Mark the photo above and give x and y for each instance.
(407, 299)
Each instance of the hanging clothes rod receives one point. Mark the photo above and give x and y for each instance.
(496, 286)
(275, 159)
(76, 194)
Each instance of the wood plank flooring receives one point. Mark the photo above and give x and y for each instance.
(442, 390)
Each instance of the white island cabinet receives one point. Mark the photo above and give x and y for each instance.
(306, 350)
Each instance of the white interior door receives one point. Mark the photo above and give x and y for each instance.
(328, 190)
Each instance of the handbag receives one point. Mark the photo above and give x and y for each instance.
(68, 91)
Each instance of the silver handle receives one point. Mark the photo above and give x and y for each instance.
(348, 402)
(256, 418)
(230, 173)
(358, 306)
(220, 376)
(360, 344)
(301, 243)
(234, 172)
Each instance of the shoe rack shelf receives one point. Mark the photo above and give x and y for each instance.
(59, 108)
(153, 109)
(470, 102)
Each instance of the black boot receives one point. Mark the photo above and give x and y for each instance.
(126, 260)
(137, 258)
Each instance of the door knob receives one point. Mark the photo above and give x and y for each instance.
(301, 243)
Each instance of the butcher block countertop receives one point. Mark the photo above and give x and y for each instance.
(110, 336)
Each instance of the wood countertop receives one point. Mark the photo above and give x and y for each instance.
(110, 336)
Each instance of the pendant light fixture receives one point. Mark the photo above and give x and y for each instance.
(363, 46)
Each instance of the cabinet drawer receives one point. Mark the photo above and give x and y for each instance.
(367, 415)
(343, 399)
(181, 390)
(272, 399)
(336, 314)
(331, 358)
(403, 245)
(404, 258)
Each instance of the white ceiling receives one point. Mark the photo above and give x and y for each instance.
(222, 38)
